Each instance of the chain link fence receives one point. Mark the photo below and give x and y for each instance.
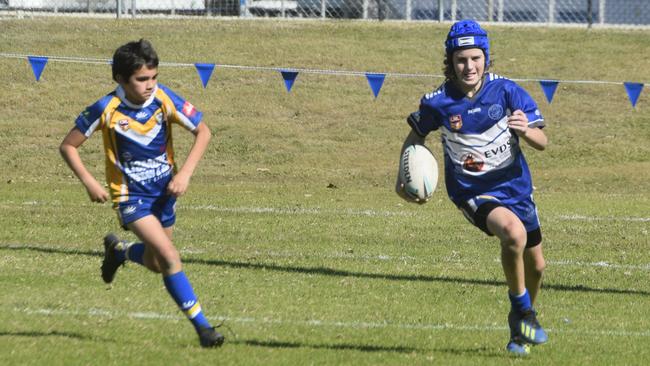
(587, 12)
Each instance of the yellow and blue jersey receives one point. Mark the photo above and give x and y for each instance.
(138, 140)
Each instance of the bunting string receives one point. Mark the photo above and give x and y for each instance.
(289, 74)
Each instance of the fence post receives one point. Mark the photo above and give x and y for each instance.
(500, 11)
(441, 11)
(408, 9)
(490, 11)
(118, 8)
(601, 11)
(323, 9)
(551, 11)
(454, 9)
(365, 9)
(133, 6)
(589, 16)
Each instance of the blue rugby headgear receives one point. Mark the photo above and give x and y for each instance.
(468, 34)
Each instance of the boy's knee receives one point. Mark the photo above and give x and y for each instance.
(513, 235)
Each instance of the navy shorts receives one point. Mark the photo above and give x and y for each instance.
(163, 208)
(477, 209)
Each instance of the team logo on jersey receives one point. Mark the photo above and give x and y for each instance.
(456, 122)
(141, 115)
(124, 124)
(159, 118)
(495, 112)
(472, 163)
(188, 109)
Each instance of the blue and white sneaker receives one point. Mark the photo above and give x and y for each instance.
(525, 328)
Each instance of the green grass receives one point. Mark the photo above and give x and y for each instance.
(290, 230)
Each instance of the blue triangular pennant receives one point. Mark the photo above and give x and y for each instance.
(633, 91)
(549, 86)
(375, 81)
(205, 71)
(38, 64)
(289, 77)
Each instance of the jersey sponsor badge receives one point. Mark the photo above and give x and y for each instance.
(472, 163)
(188, 109)
(456, 122)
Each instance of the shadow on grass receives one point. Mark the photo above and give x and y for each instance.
(338, 347)
(483, 351)
(36, 334)
(324, 271)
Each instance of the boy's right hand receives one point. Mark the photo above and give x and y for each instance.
(96, 192)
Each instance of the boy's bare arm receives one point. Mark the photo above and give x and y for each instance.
(181, 180)
(70, 153)
(534, 136)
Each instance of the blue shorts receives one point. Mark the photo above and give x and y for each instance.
(163, 207)
(477, 209)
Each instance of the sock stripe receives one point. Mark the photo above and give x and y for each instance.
(193, 311)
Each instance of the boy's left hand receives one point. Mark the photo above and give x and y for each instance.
(518, 122)
(178, 185)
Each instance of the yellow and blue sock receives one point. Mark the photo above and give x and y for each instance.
(181, 291)
(520, 302)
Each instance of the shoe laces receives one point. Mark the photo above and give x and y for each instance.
(530, 317)
(222, 323)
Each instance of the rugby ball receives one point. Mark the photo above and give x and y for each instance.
(418, 171)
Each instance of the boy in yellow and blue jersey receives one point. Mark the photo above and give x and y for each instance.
(136, 122)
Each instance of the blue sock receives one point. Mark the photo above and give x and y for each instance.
(135, 253)
(521, 302)
(131, 251)
(181, 291)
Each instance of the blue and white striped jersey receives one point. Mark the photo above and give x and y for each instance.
(482, 155)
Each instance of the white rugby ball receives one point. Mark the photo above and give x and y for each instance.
(418, 171)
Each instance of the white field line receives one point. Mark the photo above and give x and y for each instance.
(602, 218)
(300, 211)
(320, 211)
(318, 323)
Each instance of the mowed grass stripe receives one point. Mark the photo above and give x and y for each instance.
(337, 256)
(321, 211)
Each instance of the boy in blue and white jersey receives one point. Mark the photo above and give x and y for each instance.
(136, 122)
(482, 119)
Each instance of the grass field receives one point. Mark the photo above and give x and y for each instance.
(291, 232)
